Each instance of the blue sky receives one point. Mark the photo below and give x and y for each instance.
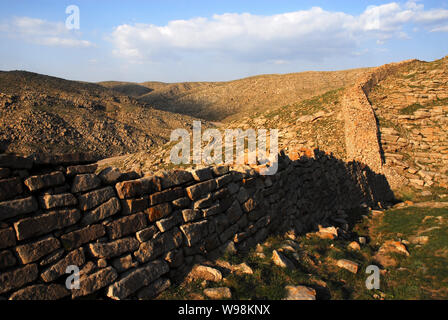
(192, 40)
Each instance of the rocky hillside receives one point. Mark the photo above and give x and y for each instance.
(45, 114)
(218, 101)
(411, 106)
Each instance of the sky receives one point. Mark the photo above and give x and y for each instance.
(214, 40)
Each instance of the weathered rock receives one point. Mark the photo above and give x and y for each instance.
(7, 259)
(166, 224)
(242, 268)
(190, 215)
(280, 260)
(220, 170)
(124, 263)
(110, 175)
(249, 205)
(327, 233)
(242, 195)
(137, 279)
(41, 292)
(175, 258)
(195, 231)
(354, 246)
(218, 293)
(213, 210)
(34, 251)
(136, 188)
(81, 169)
(14, 208)
(175, 178)
(234, 212)
(9, 188)
(229, 248)
(201, 189)
(205, 273)
(383, 256)
(146, 234)
(35, 183)
(202, 174)
(228, 233)
(154, 289)
(77, 238)
(114, 248)
(130, 206)
(421, 240)
(127, 225)
(50, 201)
(94, 282)
(300, 293)
(7, 238)
(205, 202)
(15, 162)
(166, 196)
(107, 209)
(76, 258)
(52, 257)
(157, 246)
(18, 277)
(393, 247)
(181, 203)
(348, 265)
(85, 182)
(94, 198)
(42, 224)
(159, 211)
(101, 263)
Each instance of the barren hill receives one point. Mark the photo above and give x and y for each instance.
(218, 101)
(39, 113)
(392, 118)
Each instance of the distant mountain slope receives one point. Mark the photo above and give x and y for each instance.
(126, 88)
(39, 113)
(218, 101)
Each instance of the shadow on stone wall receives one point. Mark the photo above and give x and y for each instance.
(132, 235)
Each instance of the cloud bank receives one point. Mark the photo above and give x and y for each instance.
(43, 32)
(307, 34)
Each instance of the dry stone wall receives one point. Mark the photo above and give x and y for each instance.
(361, 130)
(132, 236)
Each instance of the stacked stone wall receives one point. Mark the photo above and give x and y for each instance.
(132, 237)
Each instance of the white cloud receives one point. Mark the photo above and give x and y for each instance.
(440, 29)
(307, 34)
(42, 32)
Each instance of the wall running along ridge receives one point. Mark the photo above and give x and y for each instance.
(132, 236)
(361, 130)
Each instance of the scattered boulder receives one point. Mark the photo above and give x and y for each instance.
(218, 293)
(330, 233)
(280, 260)
(205, 273)
(348, 265)
(393, 247)
(300, 293)
(383, 255)
(421, 240)
(354, 246)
